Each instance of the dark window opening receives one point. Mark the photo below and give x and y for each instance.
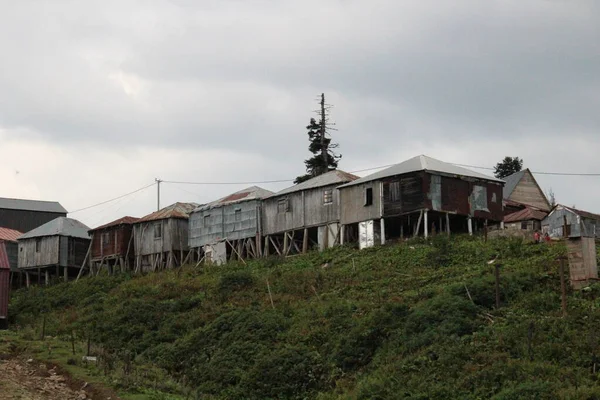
(394, 195)
(38, 245)
(157, 231)
(238, 215)
(524, 225)
(105, 238)
(283, 206)
(206, 221)
(368, 197)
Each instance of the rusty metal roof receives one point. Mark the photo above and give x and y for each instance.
(61, 226)
(121, 221)
(177, 210)
(581, 213)
(250, 193)
(335, 177)
(526, 214)
(10, 235)
(422, 163)
(32, 205)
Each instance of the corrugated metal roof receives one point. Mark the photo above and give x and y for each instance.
(177, 210)
(511, 183)
(330, 178)
(526, 214)
(251, 193)
(421, 163)
(121, 221)
(10, 235)
(581, 213)
(62, 226)
(31, 205)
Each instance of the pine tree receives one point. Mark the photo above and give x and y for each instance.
(323, 159)
(507, 167)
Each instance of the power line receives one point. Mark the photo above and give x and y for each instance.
(116, 198)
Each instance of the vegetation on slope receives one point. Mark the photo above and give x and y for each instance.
(414, 320)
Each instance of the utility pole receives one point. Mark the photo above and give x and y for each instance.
(323, 130)
(158, 181)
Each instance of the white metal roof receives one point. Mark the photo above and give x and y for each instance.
(330, 178)
(421, 163)
(61, 226)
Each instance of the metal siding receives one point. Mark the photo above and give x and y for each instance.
(26, 221)
(315, 212)
(352, 203)
(174, 236)
(12, 252)
(553, 223)
(223, 224)
(48, 254)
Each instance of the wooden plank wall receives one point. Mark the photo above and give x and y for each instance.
(48, 254)
(528, 192)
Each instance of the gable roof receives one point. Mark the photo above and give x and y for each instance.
(511, 182)
(247, 194)
(61, 226)
(32, 205)
(526, 214)
(581, 213)
(329, 178)
(9, 235)
(121, 221)
(177, 210)
(421, 163)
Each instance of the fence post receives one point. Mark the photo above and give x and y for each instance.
(563, 287)
(497, 273)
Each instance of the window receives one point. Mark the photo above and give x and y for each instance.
(38, 245)
(105, 238)
(368, 197)
(524, 225)
(206, 221)
(283, 206)
(394, 195)
(238, 215)
(157, 231)
(328, 196)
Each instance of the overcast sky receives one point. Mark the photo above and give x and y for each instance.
(99, 98)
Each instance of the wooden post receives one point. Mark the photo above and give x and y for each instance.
(440, 230)
(305, 241)
(285, 243)
(47, 275)
(448, 224)
(502, 225)
(266, 251)
(382, 228)
(418, 227)
(425, 225)
(485, 231)
(470, 225)
(342, 233)
(66, 273)
(497, 273)
(565, 226)
(27, 279)
(39, 277)
(270, 296)
(563, 287)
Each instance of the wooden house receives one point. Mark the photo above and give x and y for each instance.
(304, 215)
(419, 196)
(523, 217)
(521, 188)
(25, 215)
(580, 229)
(161, 238)
(58, 247)
(229, 227)
(9, 250)
(112, 244)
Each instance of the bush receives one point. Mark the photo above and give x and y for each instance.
(528, 390)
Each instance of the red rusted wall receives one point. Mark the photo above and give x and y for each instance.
(119, 237)
(4, 281)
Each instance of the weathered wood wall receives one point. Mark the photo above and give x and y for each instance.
(352, 203)
(47, 255)
(306, 209)
(232, 221)
(528, 192)
(174, 236)
(118, 241)
(576, 226)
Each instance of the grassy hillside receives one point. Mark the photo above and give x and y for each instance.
(414, 321)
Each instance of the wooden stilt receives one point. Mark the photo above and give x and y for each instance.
(470, 225)
(66, 273)
(425, 224)
(382, 229)
(274, 245)
(27, 279)
(305, 241)
(448, 224)
(47, 275)
(342, 232)
(418, 227)
(285, 244)
(266, 251)
(234, 249)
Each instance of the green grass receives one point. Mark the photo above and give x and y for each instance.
(390, 322)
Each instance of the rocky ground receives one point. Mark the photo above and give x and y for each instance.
(28, 380)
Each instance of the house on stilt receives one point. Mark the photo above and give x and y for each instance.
(229, 228)
(8, 267)
(304, 216)
(112, 245)
(9, 249)
(58, 248)
(161, 238)
(419, 196)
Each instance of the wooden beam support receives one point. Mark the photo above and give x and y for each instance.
(425, 224)
(418, 227)
(305, 241)
(470, 225)
(382, 230)
(448, 224)
(285, 244)
(274, 245)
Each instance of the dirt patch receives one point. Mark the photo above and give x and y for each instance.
(31, 380)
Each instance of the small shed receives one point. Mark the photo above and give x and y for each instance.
(229, 227)
(161, 238)
(58, 247)
(419, 196)
(304, 215)
(112, 244)
(527, 218)
(25, 215)
(8, 242)
(579, 229)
